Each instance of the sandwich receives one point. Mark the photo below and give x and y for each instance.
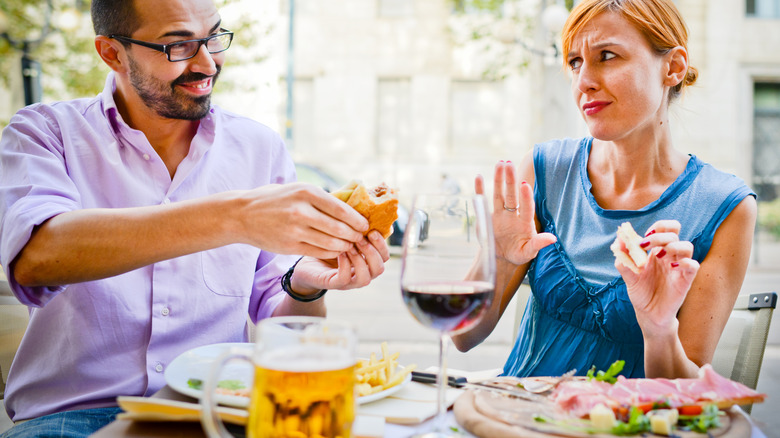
(379, 204)
(636, 257)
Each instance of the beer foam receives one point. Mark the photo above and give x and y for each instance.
(305, 358)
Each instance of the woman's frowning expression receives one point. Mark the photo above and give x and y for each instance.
(617, 78)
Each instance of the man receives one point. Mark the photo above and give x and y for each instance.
(145, 222)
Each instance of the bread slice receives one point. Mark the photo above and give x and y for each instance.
(636, 258)
(379, 205)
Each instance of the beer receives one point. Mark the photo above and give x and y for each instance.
(303, 391)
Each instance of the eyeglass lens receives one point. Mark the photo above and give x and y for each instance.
(185, 50)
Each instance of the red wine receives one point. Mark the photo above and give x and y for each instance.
(449, 307)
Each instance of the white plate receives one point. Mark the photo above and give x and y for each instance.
(196, 363)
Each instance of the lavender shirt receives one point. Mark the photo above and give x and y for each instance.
(88, 343)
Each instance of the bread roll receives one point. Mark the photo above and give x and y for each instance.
(636, 257)
(379, 205)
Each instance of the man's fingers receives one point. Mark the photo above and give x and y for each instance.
(340, 213)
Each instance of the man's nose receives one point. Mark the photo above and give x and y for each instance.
(203, 61)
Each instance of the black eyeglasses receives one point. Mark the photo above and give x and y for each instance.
(183, 50)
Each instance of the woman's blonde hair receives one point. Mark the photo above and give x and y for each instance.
(658, 20)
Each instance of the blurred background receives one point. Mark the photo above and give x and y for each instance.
(426, 94)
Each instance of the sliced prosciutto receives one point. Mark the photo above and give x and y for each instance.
(578, 397)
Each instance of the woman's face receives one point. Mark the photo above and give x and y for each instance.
(617, 79)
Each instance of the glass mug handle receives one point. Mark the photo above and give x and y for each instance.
(209, 418)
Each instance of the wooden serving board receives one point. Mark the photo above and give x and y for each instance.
(487, 414)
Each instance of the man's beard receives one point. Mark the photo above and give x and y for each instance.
(166, 99)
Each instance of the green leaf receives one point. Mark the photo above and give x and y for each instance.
(195, 384)
(708, 419)
(637, 423)
(231, 384)
(609, 376)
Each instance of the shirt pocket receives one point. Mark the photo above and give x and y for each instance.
(230, 270)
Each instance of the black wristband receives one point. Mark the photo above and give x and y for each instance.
(288, 289)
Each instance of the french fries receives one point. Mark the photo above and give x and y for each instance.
(374, 375)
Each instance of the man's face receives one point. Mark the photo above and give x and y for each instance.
(175, 90)
(170, 99)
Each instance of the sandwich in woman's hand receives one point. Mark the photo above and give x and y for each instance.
(379, 204)
(633, 257)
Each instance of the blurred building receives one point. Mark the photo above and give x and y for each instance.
(382, 91)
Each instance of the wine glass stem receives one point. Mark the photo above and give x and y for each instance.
(441, 415)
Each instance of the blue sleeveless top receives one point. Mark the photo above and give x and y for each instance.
(578, 313)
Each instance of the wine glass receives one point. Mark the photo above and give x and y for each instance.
(448, 271)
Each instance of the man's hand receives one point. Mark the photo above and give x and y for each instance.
(355, 268)
(298, 218)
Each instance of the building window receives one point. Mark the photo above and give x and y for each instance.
(477, 118)
(766, 141)
(396, 8)
(763, 8)
(302, 123)
(394, 121)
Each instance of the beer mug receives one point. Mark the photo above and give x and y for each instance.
(304, 380)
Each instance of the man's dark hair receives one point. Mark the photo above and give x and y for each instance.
(114, 17)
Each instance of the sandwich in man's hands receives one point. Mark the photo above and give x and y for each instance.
(379, 204)
(636, 257)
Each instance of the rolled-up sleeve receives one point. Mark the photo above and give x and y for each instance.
(34, 187)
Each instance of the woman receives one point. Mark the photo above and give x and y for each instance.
(556, 216)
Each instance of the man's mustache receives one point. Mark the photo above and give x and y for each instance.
(195, 77)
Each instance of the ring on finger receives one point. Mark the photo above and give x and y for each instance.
(511, 209)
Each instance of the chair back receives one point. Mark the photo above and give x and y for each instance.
(740, 350)
(13, 322)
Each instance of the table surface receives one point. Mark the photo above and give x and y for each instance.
(132, 429)
(137, 429)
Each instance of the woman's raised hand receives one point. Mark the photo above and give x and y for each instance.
(660, 288)
(517, 238)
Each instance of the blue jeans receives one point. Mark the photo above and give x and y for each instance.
(71, 424)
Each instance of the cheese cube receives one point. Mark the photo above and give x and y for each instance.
(662, 421)
(602, 417)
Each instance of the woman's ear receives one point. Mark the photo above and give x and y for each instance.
(109, 50)
(676, 66)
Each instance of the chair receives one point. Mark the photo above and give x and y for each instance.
(740, 350)
(13, 322)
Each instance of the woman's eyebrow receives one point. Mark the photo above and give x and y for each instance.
(595, 47)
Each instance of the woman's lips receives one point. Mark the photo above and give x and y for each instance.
(591, 108)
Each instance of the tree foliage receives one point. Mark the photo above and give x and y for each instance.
(500, 37)
(70, 66)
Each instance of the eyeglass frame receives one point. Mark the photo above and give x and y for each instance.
(166, 48)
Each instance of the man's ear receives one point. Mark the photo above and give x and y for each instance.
(676, 66)
(110, 51)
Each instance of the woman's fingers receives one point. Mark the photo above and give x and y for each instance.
(674, 251)
(479, 185)
(511, 190)
(664, 226)
(498, 187)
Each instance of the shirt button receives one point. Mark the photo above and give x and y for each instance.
(166, 201)
(165, 311)
(147, 157)
(158, 368)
